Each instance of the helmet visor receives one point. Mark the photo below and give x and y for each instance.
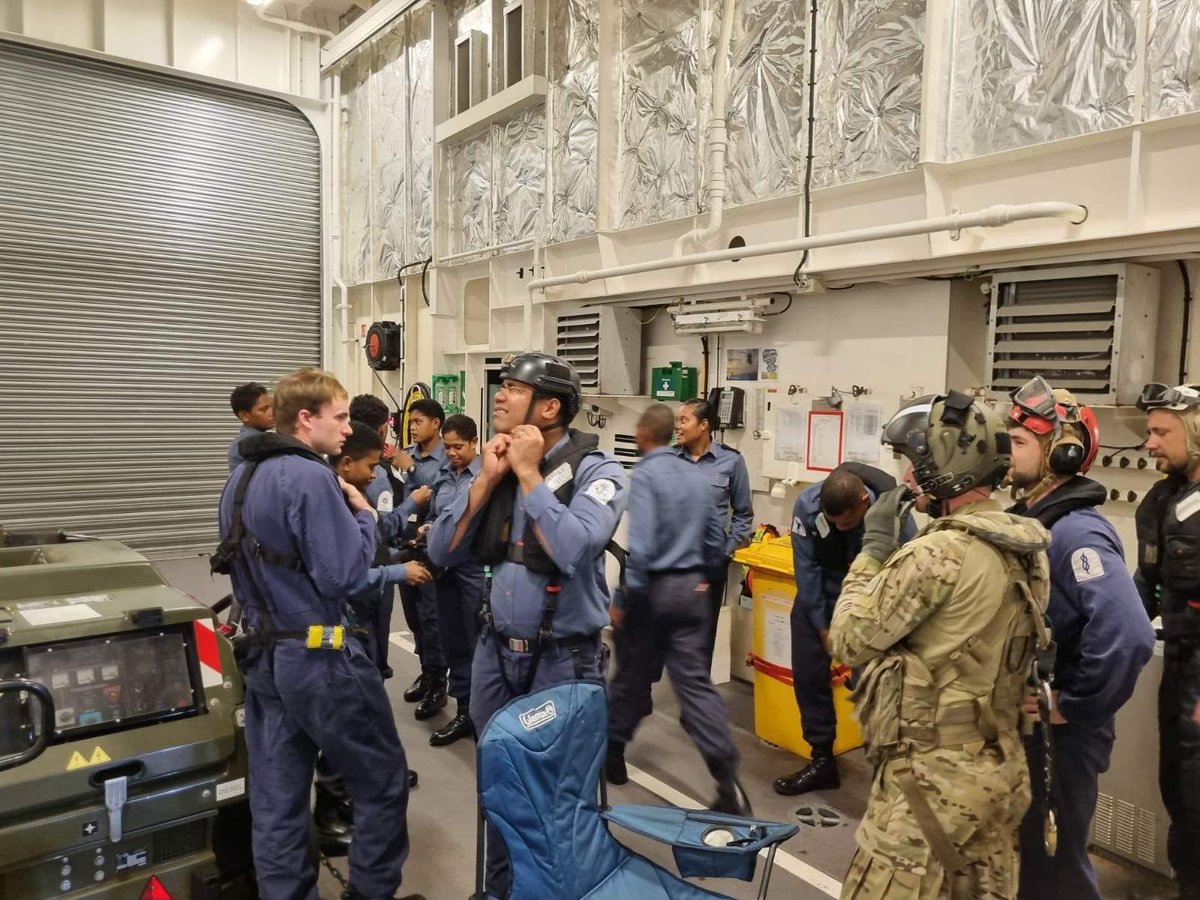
(1034, 406)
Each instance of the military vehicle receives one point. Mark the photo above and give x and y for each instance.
(121, 731)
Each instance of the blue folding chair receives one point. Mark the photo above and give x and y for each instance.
(539, 763)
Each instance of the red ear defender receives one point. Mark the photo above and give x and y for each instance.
(1091, 437)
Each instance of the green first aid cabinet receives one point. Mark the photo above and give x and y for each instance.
(674, 382)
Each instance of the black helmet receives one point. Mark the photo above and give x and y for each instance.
(549, 376)
(955, 443)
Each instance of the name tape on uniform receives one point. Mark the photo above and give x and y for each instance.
(559, 477)
(798, 527)
(1087, 565)
(1188, 506)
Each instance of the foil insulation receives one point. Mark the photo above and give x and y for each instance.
(574, 130)
(868, 104)
(471, 204)
(389, 162)
(1030, 71)
(358, 262)
(520, 167)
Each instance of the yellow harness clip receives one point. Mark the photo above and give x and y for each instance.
(325, 637)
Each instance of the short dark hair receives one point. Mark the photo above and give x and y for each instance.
(463, 426)
(363, 439)
(659, 422)
(369, 409)
(841, 492)
(244, 396)
(703, 411)
(429, 408)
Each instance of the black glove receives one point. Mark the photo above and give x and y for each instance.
(881, 526)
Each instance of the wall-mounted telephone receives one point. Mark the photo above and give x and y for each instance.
(730, 404)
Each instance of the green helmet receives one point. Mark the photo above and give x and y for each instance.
(954, 442)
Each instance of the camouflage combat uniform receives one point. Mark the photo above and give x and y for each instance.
(946, 629)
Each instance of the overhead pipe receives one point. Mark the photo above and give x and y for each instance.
(335, 264)
(991, 217)
(718, 137)
(301, 27)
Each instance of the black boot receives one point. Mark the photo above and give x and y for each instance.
(353, 893)
(614, 763)
(458, 727)
(819, 775)
(333, 819)
(731, 799)
(416, 691)
(435, 699)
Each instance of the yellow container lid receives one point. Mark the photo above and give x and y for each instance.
(773, 555)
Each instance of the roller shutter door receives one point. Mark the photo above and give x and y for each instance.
(159, 244)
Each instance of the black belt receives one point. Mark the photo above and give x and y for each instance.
(570, 642)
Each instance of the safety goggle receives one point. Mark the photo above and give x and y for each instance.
(1159, 396)
(1034, 406)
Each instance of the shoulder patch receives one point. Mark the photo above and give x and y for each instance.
(1188, 506)
(798, 527)
(602, 491)
(384, 503)
(1087, 565)
(822, 525)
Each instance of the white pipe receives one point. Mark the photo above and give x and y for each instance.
(335, 152)
(986, 218)
(301, 27)
(718, 137)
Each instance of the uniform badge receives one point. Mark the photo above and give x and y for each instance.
(558, 477)
(822, 525)
(1086, 565)
(601, 491)
(384, 503)
(1188, 506)
(798, 527)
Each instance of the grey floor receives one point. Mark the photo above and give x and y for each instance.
(665, 764)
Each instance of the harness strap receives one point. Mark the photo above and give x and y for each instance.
(943, 848)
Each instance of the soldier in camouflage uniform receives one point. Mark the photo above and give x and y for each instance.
(946, 628)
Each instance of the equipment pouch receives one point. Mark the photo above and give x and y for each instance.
(877, 699)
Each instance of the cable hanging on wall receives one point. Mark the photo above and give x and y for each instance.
(806, 218)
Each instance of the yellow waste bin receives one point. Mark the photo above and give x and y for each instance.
(776, 716)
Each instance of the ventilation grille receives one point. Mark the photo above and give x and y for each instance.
(1063, 329)
(1127, 829)
(577, 340)
(172, 843)
(625, 450)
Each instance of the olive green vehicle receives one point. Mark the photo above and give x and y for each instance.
(121, 738)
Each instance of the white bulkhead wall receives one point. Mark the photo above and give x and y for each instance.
(215, 38)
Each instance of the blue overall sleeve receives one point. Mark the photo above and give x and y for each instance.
(336, 545)
(441, 533)
(643, 528)
(742, 504)
(810, 598)
(576, 534)
(1117, 639)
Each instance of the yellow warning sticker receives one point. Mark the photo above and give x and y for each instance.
(79, 761)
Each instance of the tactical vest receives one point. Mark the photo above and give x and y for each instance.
(1168, 530)
(901, 700)
(493, 541)
(831, 550)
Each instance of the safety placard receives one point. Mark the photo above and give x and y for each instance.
(79, 761)
(229, 789)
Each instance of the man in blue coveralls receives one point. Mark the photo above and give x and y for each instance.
(421, 463)
(827, 533)
(538, 515)
(459, 587)
(1100, 628)
(297, 542)
(726, 471)
(662, 615)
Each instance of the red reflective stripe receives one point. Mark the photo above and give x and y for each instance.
(771, 670)
(206, 645)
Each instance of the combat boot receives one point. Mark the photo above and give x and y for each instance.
(435, 700)
(731, 799)
(416, 691)
(819, 775)
(353, 893)
(333, 820)
(614, 763)
(458, 727)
